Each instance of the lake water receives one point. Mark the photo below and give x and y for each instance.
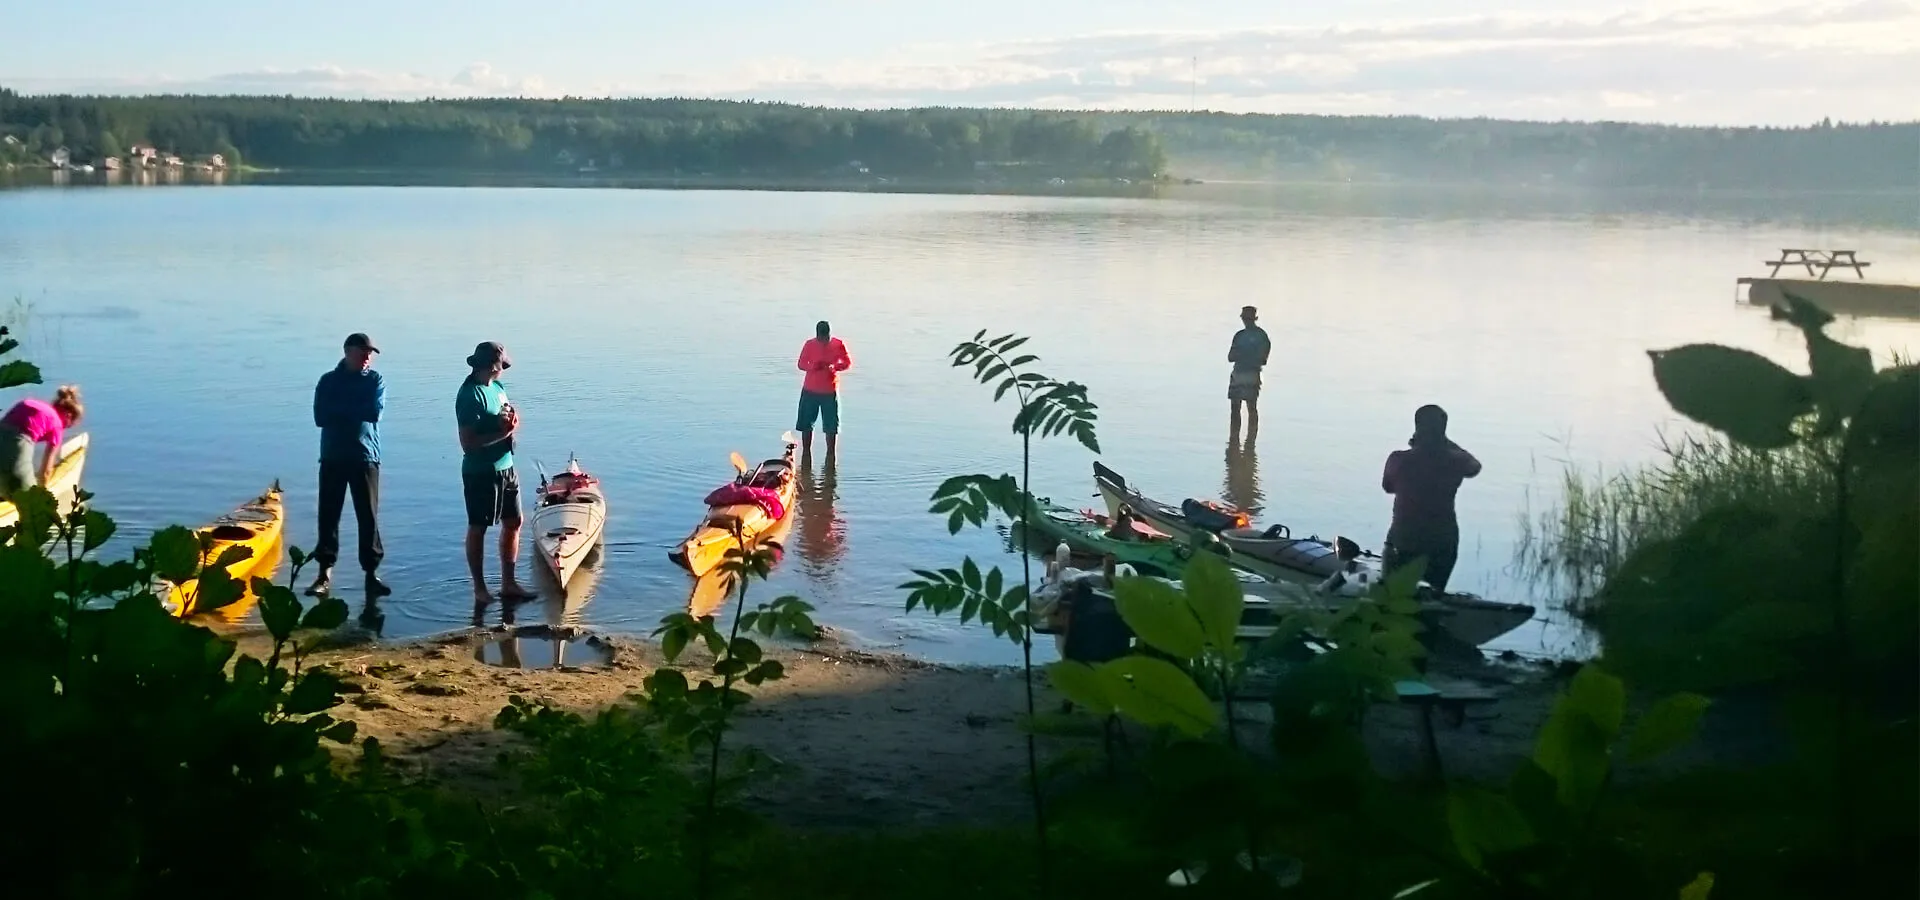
(653, 332)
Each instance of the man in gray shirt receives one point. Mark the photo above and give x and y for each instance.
(1248, 355)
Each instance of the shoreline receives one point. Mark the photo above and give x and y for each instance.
(860, 738)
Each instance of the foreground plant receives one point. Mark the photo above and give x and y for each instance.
(698, 712)
(1047, 407)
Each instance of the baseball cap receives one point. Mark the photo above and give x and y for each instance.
(487, 352)
(360, 339)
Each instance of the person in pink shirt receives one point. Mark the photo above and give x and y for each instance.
(33, 421)
(823, 359)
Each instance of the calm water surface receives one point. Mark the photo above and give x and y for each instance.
(655, 332)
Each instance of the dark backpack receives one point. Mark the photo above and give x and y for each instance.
(1095, 633)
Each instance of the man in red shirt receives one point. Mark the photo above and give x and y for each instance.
(823, 359)
(1423, 480)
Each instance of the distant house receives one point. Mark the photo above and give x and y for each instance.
(564, 158)
(171, 161)
(216, 161)
(142, 156)
(10, 141)
(111, 164)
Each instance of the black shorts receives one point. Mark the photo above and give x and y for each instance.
(492, 498)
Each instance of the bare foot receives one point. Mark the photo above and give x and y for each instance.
(511, 590)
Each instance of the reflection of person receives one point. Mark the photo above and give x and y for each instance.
(1248, 353)
(823, 359)
(1423, 479)
(488, 424)
(347, 403)
(1241, 486)
(822, 531)
(33, 421)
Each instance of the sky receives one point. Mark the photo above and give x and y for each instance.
(1680, 61)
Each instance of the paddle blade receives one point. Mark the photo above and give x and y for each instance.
(739, 462)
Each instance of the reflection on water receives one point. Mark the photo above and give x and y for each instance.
(541, 647)
(561, 606)
(823, 534)
(711, 591)
(1241, 486)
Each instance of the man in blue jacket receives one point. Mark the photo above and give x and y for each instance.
(346, 407)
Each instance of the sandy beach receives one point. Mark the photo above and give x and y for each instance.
(861, 738)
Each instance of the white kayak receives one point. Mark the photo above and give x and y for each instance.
(66, 477)
(568, 519)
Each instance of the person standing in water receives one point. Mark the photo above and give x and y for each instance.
(1423, 479)
(488, 424)
(1248, 353)
(347, 403)
(30, 422)
(823, 359)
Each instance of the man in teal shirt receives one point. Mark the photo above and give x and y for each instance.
(488, 424)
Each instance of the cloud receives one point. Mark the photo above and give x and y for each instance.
(1705, 64)
(1708, 64)
(476, 80)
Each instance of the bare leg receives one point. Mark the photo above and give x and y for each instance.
(476, 566)
(806, 443)
(510, 588)
(1253, 420)
(1235, 419)
(833, 443)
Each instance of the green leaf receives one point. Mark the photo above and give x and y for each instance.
(1665, 727)
(175, 552)
(1700, 888)
(1415, 889)
(216, 590)
(1575, 744)
(17, 373)
(249, 672)
(1081, 684)
(1739, 392)
(326, 615)
(1842, 377)
(1484, 823)
(1216, 599)
(280, 612)
(316, 690)
(1158, 615)
(1157, 693)
(99, 529)
(237, 553)
(767, 670)
(744, 650)
(673, 642)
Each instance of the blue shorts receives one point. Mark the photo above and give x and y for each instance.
(819, 406)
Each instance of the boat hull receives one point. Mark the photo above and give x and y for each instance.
(256, 525)
(568, 521)
(726, 527)
(1250, 552)
(66, 477)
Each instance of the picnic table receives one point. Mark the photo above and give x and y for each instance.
(1824, 261)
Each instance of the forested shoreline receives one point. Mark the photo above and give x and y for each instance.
(738, 138)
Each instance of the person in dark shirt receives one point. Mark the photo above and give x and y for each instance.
(1423, 480)
(346, 407)
(1248, 353)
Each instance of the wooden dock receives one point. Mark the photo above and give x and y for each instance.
(1864, 299)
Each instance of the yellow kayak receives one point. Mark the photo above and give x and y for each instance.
(256, 525)
(707, 546)
(66, 477)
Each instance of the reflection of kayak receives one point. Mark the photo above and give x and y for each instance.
(1086, 532)
(713, 591)
(66, 477)
(707, 546)
(567, 520)
(1273, 552)
(255, 525)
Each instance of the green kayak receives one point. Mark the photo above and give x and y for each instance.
(1085, 532)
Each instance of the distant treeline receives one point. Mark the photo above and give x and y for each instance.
(693, 137)
(717, 137)
(1827, 156)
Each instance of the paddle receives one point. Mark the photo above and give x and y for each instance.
(739, 462)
